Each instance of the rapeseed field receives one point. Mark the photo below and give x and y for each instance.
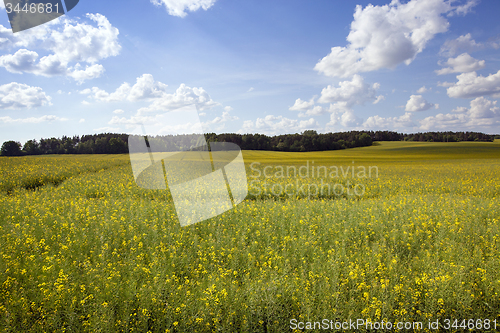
(84, 249)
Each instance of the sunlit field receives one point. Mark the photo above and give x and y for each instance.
(84, 249)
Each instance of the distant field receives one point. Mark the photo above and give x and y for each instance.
(82, 248)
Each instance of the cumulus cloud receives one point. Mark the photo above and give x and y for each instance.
(470, 85)
(277, 124)
(385, 36)
(342, 98)
(183, 96)
(351, 92)
(381, 123)
(90, 72)
(481, 113)
(442, 121)
(181, 7)
(464, 63)
(342, 114)
(314, 111)
(445, 84)
(462, 43)
(460, 109)
(120, 94)
(422, 90)
(301, 105)
(146, 88)
(465, 8)
(220, 121)
(417, 103)
(31, 120)
(69, 43)
(483, 108)
(379, 99)
(118, 111)
(18, 96)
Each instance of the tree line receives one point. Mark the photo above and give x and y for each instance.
(310, 140)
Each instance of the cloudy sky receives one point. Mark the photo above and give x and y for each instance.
(255, 66)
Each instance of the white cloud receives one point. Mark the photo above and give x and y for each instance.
(464, 43)
(70, 44)
(120, 94)
(84, 42)
(483, 108)
(18, 95)
(251, 89)
(482, 113)
(465, 8)
(2, 6)
(209, 125)
(422, 90)
(352, 92)
(445, 84)
(417, 103)
(228, 108)
(471, 85)
(314, 111)
(31, 120)
(380, 123)
(442, 122)
(341, 98)
(146, 88)
(301, 105)
(464, 63)
(82, 121)
(183, 96)
(379, 99)
(385, 36)
(180, 7)
(342, 114)
(118, 111)
(460, 109)
(90, 72)
(277, 124)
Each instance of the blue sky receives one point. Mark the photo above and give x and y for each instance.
(270, 67)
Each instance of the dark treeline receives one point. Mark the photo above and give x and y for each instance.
(307, 141)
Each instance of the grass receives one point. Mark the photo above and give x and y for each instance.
(98, 254)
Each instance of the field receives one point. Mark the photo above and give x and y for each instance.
(84, 249)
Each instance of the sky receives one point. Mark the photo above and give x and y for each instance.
(270, 67)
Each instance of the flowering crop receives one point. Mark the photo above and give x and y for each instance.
(97, 253)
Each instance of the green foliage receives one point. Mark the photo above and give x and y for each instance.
(11, 148)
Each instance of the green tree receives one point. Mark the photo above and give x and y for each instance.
(11, 148)
(32, 147)
(117, 146)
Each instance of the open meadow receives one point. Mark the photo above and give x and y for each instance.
(404, 232)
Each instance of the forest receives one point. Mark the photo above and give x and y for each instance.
(310, 140)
